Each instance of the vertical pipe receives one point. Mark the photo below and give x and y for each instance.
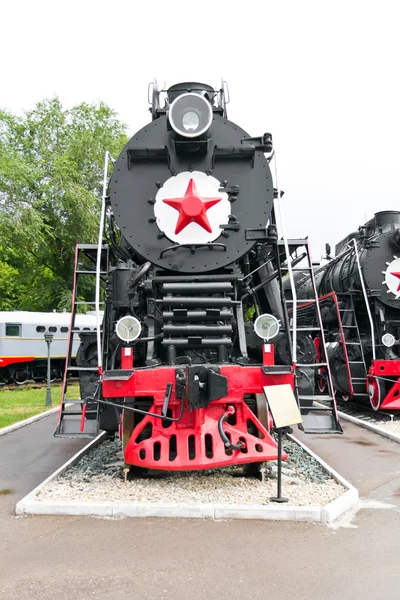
(98, 261)
(371, 321)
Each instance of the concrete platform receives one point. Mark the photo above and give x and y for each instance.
(64, 557)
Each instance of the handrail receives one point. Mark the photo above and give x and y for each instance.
(289, 267)
(107, 158)
(371, 322)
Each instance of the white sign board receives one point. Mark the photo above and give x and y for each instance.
(282, 404)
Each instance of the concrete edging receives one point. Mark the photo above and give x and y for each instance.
(28, 421)
(317, 514)
(370, 426)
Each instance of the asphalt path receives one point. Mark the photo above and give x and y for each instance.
(57, 558)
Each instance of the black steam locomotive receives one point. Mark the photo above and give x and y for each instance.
(193, 292)
(359, 293)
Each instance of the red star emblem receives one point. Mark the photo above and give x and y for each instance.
(398, 276)
(192, 208)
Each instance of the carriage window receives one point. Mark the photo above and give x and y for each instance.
(40, 328)
(13, 330)
(53, 329)
(64, 329)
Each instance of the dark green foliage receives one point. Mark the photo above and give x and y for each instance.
(51, 171)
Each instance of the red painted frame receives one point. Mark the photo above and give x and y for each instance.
(200, 423)
(387, 368)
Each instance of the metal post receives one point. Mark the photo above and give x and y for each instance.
(48, 339)
(278, 497)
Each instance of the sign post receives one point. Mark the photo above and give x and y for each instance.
(285, 412)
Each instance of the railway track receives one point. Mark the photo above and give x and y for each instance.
(365, 413)
(380, 422)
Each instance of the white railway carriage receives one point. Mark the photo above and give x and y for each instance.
(23, 350)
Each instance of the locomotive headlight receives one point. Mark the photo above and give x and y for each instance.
(388, 340)
(191, 121)
(190, 115)
(266, 326)
(128, 329)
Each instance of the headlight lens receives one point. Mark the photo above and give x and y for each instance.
(128, 329)
(190, 121)
(388, 340)
(190, 115)
(266, 326)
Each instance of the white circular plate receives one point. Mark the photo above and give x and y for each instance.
(392, 277)
(205, 187)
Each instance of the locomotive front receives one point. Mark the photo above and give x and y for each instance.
(190, 227)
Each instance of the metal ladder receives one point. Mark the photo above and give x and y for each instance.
(323, 418)
(348, 325)
(77, 418)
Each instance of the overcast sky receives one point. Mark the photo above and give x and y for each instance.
(322, 77)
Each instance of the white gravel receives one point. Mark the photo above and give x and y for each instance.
(98, 478)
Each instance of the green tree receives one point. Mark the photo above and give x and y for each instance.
(51, 171)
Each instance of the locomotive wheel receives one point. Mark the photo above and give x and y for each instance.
(262, 412)
(376, 392)
(19, 381)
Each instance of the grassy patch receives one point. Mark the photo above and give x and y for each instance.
(17, 405)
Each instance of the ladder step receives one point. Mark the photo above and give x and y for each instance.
(314, 423)
(301, 269)
(346, 310)
(351, 343)
(71, 428)
(91, 303)
(302, 301)
(316, 398)
(75, 413)
(349, 326)
(315, 365)
(66, 401)
(92, 246)
(316, 408)
(355, 362)
(90, 272)
(93, 369)
(306, 329)
(358, 378)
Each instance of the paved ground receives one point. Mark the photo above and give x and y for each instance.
(57, 558)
